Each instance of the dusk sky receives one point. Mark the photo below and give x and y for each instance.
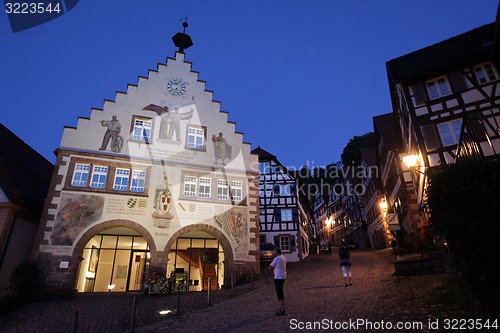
(299, 78)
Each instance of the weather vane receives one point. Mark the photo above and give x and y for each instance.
(185, 23)
(182, 40)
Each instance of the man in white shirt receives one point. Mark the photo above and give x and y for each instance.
(279, 265)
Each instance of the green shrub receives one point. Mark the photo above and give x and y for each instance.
(462, 202)
(24, 281)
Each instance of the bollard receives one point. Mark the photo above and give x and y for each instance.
(134, 310)
(209, 288)
(178, 309)
(232, 283)
(251, 279)
(75, 322)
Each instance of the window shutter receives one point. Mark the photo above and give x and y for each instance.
(431, 137)
(276, 189)
(277, 214)
(477, 128)
(293, 189)
(419, 93)
(292, 243)
(457, 80)
(277, 241)
(295, 215)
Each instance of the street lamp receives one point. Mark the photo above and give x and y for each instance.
(413, 163)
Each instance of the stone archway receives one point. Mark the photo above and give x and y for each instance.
(229, 264)
(91, 232)
(226, 246)
(124, 264)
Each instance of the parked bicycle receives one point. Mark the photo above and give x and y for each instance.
(159, 285)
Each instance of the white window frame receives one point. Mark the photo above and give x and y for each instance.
(122, 177)
(438, 87)
(80, 175)
(99, 176)
(142, 129)
(138, 181)
(190, 184)
(286, 215)
(237, 190)
(195, 138)
(205, 187)
(450, 130)
(285, 243)
(222, 189)
(485, 73)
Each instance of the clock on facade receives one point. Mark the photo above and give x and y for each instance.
(176, 87)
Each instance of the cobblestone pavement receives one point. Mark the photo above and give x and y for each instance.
(316, 301)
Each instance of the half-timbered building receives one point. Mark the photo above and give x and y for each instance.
(285, 218)
(445, 94)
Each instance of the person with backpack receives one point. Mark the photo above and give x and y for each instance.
(279, 265)
(345, 264)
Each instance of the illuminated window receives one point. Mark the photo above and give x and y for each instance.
(81, 175)
(142, 128)
(138, 181)
(99, 176)
(222, 189)
(237, 190)
(121, 179)
(205, 187)
(195, 138)
(190, 186)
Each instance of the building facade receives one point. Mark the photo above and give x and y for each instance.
(377, 231)
(443, 95)
(158, 180)
(285, 218)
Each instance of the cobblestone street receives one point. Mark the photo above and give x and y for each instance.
(316, 301)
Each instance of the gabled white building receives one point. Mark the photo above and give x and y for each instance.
(158, 180)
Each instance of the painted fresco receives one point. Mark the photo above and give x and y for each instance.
(169, 123)
(234, 224)
(76, 212)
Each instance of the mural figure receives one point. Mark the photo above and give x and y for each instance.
(78, 212)
(222, 149)
(164, 114)
(113, 132)
(234, 223)
(163, 204)
(174, 120)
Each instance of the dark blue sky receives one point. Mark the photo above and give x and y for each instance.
(299, 78)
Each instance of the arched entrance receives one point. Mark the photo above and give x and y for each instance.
(196, 255)
(113, 260)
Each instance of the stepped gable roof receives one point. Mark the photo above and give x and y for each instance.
(24, 174)
(387, 127)
(467, 48)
